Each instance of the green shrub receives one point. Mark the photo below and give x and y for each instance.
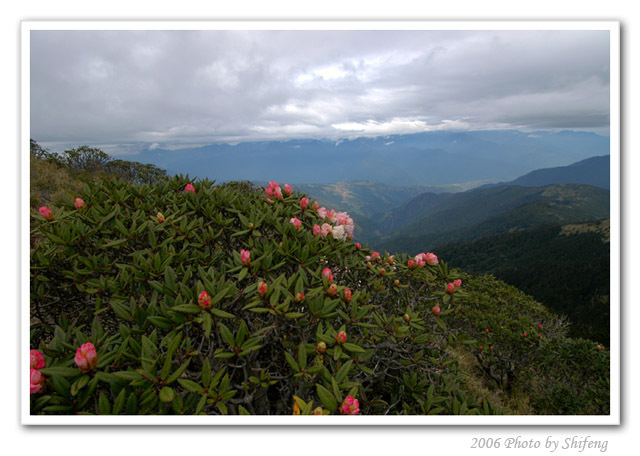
(157, 279)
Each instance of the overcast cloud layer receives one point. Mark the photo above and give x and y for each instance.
(163, 88)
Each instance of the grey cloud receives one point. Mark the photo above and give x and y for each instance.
(187, 86)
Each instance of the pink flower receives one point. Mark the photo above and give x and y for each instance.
(346, 295)
(430, 258)
(277, 193)
(296, 222)
(304, 203)
(287, 189)
(411, 264)
(322, 212)
(457, 283)
(204, 300)
(79, 203)
(317, 231)
(350, 406)
(36, 359)
(338, 233)
(315, 206)
(189, 188)
(327, 274)
(46, 213)
(268, 191)
(341, 338)
(332, 290)
(245, 257)
(332, 216)
(269, 200)
(326, 229)
(436, 310)
(86, 357)
(262, 289)
(358, 246)
(375, 256)
(451, 288)
(36, 381)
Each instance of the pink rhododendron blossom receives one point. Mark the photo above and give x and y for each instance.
(326, 229)
(317, 231)
(287, 189)
(189, 188)
(338, 232)
(36, 359)
(46, 212)
(346, 295)
(86, 357)
(332, 216)
(304, 203)
(375, 256)
(411, 264)
(358, 246)
(451, 288)
(430, 258)
(457, 283)
(296, 223)
(277, 193)
(322, 212)
(315, 206)
(79, 203)
(350, 406)
(262, 289)
(204, 300)
(341, 337)
(245, 257)
(327, 274)
(36, 381)
(332, 290)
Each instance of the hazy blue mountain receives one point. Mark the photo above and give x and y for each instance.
(428, 159)
(592, 171)
(483, 212)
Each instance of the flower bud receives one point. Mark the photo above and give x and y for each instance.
(46, 213)
(318, 411)
(375, 256)
(296, 222)
(36, 359)
(204, 300)
(436, 310)
(396, 283)
(321, 347)
(487, 330)
(341, 337)
(245, 257)
(350, 406)
(287, 189)
(36, 381)
(358, 246)
(299, 297)
(406, 318)
(86, 357)
(262, 289)
(540, 326)
(332, 290)
(315, 206)
(296, 409)
(189, 188)
(304, 203)
(457, 283)
(160, 218)
(79, 203)
(525, 335)
(411, 264)
(346, 295)
(327, 274)
(451, 288)
(382, 272)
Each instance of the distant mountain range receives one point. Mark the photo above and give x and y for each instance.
(468, 215)
(427, 159)
(592, 171)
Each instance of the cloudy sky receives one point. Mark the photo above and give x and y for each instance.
(196, 87)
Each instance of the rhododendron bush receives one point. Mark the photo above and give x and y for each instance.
(184, 298)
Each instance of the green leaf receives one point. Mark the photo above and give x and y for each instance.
(187, 308)
(167, 394)
(221, 313)
(127, 375)
(206, 324)
(206, 372)
(104, 406)
(173, 346)
(179, 372)
(62, 371)
(291, 362)
(353, 347)
(302, 356)
(119, 402)
(190, 385)
(344, 371)
(326, 398)
(226, 334)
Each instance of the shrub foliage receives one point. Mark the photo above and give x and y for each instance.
(158, 280)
